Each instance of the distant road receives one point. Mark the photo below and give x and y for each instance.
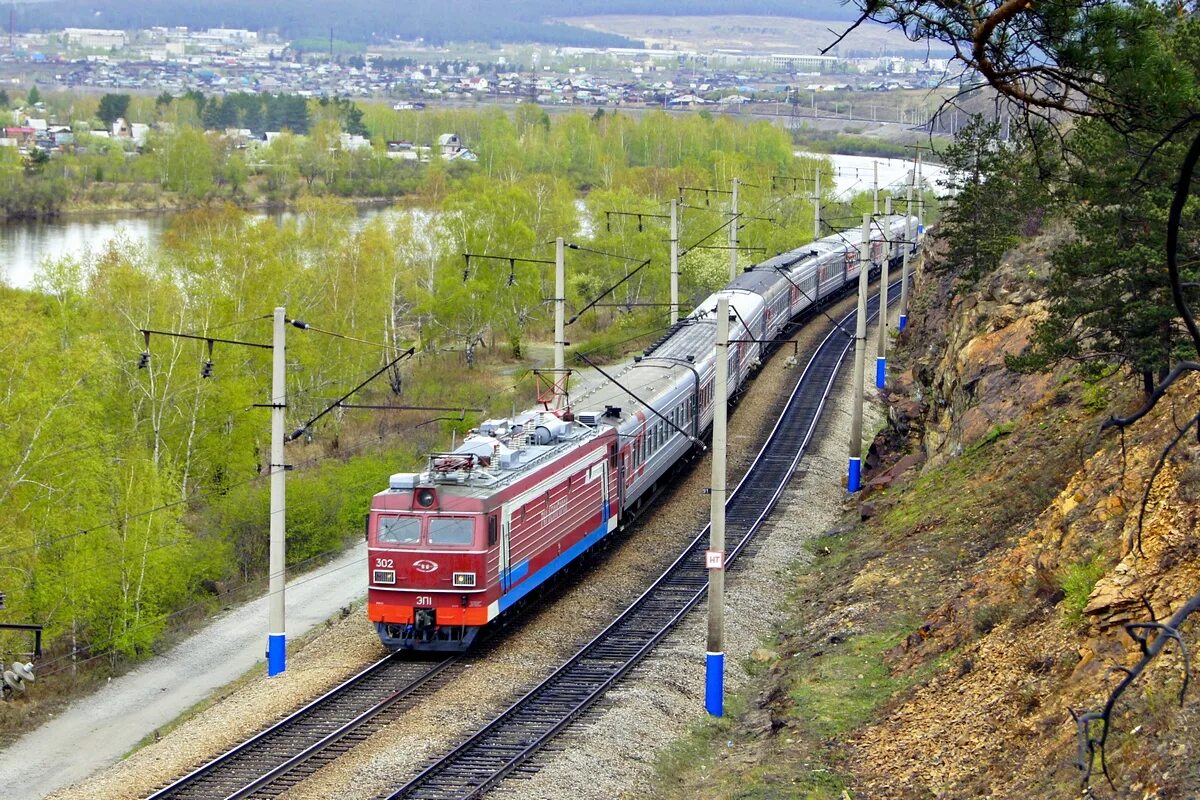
(97, 730)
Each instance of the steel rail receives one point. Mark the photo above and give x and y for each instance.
(280, 748)
(510, 740)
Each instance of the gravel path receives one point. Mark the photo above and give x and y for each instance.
(96, 731)
(609, 756)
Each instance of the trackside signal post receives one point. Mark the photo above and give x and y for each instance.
(276, 635)
(714, 673)
(854, 478)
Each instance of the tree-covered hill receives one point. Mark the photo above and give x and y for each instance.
(360, 20)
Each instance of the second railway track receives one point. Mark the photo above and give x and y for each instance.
(292, 749)
(298, 745)
(508, 742)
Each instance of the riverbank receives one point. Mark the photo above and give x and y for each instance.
(25, 245)
(169, 204)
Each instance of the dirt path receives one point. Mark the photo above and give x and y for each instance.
(98, 730)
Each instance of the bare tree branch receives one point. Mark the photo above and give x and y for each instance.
(1163, 633)
(1155, 396)
(861, 19)
(1182, 190)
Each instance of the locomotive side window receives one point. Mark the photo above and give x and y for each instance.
(399, 530)
(492, 530)
(451, 530)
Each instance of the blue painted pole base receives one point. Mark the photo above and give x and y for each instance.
(903, 322)
(855, 481)
(276, 654)
(714, 684)
(880, 372)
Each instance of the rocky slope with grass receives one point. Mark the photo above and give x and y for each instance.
(976, 594)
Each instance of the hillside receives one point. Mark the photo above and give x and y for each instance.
(939, 640)
(358, 20)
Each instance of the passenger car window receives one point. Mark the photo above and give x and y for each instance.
(451, 530)
(399, 530)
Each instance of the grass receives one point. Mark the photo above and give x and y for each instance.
(1077, 582)
(696, 750)
(841, 689)
(696, 765)
(1003, 429)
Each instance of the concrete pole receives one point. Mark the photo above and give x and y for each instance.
(733, 233)
(854, 480)
(560, 309)
(276, 632)
(817, 207)
(881, 352)
(674, 261)
(875, 188)
(888, 245)
(920, 199)
(905, 249)
(714, 672)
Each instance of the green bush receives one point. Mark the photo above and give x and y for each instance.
(1077, 582)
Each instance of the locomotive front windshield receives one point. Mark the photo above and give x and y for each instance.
(451, 530)
(399, 530)
(433, 530)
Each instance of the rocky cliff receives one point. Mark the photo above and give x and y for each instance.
(939, 641)
(1034, 631)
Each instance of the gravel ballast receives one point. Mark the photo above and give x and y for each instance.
(611, 753)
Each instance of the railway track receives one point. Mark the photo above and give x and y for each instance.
(506, 744)
(298, 745)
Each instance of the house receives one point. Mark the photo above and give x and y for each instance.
(24, 136)
(354, 142)
(451, 148)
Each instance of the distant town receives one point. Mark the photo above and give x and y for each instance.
(227, 60)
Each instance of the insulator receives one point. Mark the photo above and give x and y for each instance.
(207, 370)
(144, 359)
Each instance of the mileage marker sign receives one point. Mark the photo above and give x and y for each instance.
(714, 559)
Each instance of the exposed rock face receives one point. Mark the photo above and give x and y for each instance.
(979, 591)
(1037, 627)
(959, 378)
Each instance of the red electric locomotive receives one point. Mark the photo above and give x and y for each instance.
(454, 546)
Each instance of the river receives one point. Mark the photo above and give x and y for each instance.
(853, 174)
(26, 245)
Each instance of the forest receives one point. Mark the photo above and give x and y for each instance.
(356, 20)
(132, 465)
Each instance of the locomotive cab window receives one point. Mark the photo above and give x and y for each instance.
(399, 530)
(451, 530)
(492, 525)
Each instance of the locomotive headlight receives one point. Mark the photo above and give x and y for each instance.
(384, 576)
(464, 579)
